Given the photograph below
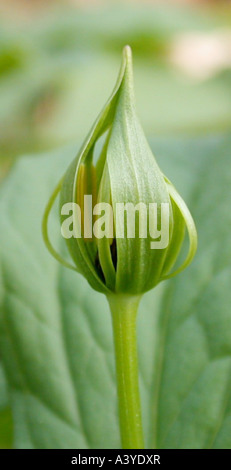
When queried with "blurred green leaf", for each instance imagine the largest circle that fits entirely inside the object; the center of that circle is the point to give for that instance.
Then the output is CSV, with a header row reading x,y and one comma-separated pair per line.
x,y
6,428
56,339
4,401
6,422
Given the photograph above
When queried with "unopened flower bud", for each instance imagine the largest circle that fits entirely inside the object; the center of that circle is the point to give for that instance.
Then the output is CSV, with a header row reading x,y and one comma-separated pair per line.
x,y
128,219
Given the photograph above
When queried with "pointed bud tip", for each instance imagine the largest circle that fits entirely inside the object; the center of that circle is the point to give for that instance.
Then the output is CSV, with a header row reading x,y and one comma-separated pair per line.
x,y
127,52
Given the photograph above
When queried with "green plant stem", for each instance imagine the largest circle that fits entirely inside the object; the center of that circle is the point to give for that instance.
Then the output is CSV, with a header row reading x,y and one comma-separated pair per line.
x,y
124,313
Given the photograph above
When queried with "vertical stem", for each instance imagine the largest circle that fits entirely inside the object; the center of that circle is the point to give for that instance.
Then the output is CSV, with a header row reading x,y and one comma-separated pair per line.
x,y
124,313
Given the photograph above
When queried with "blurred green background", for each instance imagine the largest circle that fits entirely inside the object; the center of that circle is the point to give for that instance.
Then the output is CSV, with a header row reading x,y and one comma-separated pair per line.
x,y
59,61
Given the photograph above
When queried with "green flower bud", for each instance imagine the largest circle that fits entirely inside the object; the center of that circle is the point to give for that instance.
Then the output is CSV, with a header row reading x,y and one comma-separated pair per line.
x,y
126,172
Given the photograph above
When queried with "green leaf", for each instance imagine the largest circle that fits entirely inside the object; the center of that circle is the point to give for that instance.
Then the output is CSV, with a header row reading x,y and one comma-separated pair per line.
x,y
6,424
55,331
